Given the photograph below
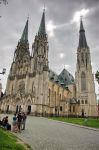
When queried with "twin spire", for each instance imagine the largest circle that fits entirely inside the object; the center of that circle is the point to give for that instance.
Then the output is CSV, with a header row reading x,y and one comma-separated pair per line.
x,y
24,37
41,31
82,37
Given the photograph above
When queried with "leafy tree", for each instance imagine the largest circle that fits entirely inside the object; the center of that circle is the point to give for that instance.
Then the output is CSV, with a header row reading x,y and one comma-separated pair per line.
x,y
97,76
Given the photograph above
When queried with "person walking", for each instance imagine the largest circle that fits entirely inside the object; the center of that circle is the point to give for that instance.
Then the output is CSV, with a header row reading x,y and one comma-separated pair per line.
x,y
19,121
23,120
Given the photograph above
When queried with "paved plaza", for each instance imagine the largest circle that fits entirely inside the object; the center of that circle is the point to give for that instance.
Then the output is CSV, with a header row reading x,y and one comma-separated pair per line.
x,y
45,134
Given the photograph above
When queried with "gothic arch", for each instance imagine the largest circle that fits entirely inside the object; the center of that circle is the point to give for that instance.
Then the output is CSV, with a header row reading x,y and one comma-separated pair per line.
x,y
83,81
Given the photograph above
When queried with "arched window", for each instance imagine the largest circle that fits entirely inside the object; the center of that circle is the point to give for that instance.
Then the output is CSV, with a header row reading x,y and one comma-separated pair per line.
x,y
86,102
55,98
12,89
33,87
83,81
49,95
82,101
82,57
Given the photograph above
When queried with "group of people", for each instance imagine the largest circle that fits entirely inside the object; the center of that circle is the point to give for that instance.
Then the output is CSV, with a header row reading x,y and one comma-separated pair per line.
x,y
18,123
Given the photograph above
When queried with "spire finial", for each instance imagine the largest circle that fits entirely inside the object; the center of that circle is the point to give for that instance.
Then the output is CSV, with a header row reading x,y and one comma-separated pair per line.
x,y
44,6
81,17
28,17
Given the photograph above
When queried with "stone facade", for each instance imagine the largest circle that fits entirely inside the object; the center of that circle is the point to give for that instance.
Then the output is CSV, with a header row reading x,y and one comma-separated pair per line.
x,y
33,88
85,88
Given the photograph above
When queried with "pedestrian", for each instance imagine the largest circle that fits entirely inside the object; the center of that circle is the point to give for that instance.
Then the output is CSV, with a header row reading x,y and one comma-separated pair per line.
x,y
23,120
14,123
19,121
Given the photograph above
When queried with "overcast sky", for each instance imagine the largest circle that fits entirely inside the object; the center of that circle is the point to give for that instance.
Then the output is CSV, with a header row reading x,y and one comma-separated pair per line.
x,y
62,24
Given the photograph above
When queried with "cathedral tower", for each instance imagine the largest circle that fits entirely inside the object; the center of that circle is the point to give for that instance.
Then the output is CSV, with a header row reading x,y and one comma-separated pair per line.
x,y
20,66
39,65
85,88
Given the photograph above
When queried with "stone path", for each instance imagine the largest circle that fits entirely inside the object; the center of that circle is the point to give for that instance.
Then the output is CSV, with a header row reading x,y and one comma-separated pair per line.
x,y
44,134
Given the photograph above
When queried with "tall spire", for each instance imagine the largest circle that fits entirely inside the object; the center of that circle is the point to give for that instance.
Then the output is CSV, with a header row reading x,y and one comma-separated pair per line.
x,y
24,37
42,29
82,37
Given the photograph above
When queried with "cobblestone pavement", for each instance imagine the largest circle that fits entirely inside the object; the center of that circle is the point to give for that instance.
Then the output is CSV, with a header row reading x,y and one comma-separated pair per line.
x,y
45,134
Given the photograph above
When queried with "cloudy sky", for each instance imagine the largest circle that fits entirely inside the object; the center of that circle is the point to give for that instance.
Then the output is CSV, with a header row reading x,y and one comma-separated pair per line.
x,y
62,24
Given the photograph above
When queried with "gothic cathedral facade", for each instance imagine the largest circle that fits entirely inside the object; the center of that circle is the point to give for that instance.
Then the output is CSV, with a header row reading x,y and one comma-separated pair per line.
x,y
34,88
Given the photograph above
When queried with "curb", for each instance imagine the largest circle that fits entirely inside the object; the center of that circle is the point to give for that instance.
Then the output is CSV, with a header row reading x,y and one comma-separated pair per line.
x,y
76,125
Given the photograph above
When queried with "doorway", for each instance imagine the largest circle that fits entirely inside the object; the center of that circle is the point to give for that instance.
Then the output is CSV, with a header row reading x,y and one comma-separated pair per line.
x,y
29,109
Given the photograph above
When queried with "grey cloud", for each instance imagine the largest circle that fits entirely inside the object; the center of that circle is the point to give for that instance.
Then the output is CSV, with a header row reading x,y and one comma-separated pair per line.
x,y
66,37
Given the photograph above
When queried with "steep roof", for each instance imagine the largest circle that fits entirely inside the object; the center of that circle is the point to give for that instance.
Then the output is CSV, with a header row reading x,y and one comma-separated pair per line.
x,y
42,29
66,77
82,37
24,37
63,79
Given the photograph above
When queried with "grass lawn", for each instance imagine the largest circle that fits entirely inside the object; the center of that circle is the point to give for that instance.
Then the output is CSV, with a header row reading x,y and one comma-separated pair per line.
x,y
81,121
10,142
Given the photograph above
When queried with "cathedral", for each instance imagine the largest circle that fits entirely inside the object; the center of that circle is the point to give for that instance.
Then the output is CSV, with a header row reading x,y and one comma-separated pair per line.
x,y
34,88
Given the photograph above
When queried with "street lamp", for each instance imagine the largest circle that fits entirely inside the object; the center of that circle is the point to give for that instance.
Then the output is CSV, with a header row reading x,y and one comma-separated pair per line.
x,y
3,71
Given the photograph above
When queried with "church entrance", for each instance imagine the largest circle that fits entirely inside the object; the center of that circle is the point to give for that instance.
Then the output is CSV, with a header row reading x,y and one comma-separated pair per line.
x,y
18,109
7,109
29,109
82,113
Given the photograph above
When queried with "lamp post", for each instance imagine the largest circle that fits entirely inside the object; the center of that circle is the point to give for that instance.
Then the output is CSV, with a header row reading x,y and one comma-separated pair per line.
x,y
3,71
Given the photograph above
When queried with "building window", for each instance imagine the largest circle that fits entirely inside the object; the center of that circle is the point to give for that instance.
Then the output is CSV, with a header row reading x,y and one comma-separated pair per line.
x,y
73,108
86,102
60,108
83,81
49,95
78,101
82,101
70,108
55,96
60,96
82,57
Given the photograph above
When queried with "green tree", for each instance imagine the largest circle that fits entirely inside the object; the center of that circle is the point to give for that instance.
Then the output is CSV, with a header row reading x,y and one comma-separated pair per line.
x,y
97,76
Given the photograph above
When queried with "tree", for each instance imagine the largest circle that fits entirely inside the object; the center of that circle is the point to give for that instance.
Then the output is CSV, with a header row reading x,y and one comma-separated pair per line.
x,y
97,76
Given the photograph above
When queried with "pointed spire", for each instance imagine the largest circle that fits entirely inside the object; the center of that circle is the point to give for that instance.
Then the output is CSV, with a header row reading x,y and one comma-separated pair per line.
x,y
42,29
82,37
24,37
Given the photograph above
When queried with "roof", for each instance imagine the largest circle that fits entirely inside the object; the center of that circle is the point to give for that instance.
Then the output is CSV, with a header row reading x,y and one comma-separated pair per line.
x,y
74,101
82,37
24,37
42,29
63,79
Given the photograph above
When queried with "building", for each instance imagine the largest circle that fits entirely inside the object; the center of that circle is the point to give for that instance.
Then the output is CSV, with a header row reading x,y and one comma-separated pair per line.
x,y
0,90
84,79
34,88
